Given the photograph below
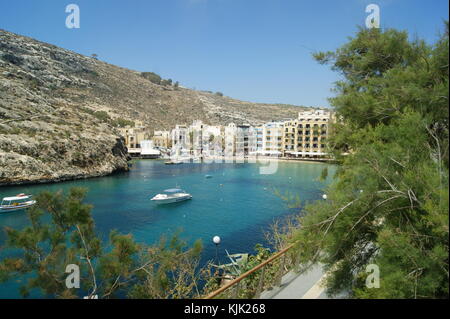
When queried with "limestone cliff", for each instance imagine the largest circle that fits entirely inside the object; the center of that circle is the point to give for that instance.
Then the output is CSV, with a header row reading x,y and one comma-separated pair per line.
x,y
48,100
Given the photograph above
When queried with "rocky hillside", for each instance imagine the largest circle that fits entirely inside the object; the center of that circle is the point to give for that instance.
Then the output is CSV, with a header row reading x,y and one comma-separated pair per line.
x,y
48,96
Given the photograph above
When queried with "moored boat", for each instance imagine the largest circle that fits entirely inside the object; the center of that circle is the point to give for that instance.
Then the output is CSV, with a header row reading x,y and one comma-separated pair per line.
x,y
173,195
14,203
173,162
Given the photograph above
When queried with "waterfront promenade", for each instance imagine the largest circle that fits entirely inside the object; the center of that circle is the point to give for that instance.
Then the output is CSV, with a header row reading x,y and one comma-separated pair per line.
x,y
305,285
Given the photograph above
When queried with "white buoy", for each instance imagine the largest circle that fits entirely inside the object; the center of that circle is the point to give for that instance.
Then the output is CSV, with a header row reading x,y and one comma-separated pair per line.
x,y
324,196
216,240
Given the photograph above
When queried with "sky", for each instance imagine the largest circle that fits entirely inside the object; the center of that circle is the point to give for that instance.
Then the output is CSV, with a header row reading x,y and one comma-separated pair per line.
x,y
252,50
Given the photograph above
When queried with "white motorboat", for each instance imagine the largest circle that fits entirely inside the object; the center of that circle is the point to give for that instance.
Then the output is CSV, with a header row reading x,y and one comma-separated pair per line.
x,y
173,195
18,202
173,162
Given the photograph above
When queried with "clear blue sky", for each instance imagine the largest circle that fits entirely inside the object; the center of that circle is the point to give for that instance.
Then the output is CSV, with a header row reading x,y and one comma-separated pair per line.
x,y
254,50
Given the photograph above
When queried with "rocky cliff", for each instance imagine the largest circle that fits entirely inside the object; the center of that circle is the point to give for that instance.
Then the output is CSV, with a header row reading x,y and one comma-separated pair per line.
x,y
48,100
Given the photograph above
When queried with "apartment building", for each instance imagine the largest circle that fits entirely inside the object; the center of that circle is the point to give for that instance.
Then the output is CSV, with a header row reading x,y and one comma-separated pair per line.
x,y
245,140
180,138
259,132
133,137
230,139
272,138
162,139
195,139
306,136
212,140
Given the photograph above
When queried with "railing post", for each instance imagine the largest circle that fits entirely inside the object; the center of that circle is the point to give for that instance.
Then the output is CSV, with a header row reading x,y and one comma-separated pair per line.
x,y
281,271
260,284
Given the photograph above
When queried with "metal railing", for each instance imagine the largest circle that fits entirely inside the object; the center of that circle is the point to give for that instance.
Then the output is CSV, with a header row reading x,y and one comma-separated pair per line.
x,y
262,266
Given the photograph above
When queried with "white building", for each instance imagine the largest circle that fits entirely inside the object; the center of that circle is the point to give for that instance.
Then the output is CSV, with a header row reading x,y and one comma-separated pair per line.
x,y
272,139
259,131
148,150
180,139
212,140
230,139
245,140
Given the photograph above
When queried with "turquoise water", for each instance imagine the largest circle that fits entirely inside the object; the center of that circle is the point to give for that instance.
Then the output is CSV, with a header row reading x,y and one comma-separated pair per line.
x,y
237,203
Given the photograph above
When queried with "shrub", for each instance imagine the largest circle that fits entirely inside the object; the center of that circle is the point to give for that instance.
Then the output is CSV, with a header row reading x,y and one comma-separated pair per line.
x,y
152,77
16,60
120,122
102,116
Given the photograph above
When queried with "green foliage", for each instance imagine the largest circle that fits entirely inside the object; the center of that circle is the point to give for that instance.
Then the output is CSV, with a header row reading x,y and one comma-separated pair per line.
x,y
156,78
62,232
166,82
389,203
47,247
152,77
120,122
219,94
13,59
102,116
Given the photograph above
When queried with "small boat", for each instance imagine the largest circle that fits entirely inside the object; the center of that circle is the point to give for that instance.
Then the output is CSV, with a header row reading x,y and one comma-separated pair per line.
x,y
173,195
173,162
238,265
208,176
18,202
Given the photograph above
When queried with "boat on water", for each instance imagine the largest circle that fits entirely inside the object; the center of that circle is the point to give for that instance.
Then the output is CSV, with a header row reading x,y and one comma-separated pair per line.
x,y
173,162
208,176
14,203
173,195
232,270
